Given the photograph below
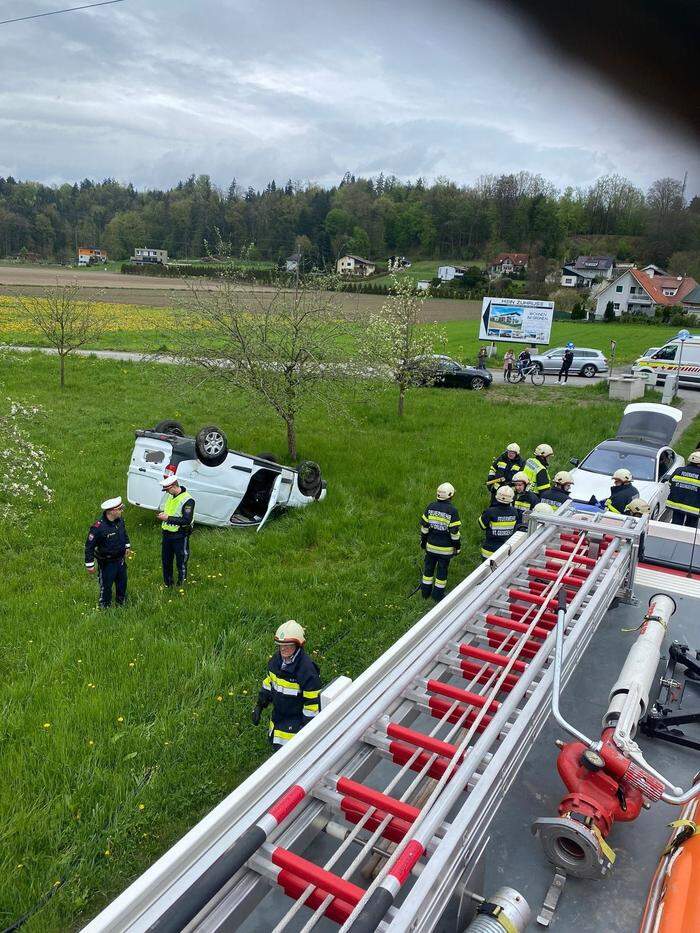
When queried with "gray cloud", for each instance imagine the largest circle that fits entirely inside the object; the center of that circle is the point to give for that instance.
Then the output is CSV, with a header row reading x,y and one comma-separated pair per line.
x,y
151,91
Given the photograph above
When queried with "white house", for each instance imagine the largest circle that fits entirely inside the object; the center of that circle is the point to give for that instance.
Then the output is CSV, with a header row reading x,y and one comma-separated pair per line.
x,y
636,292
355,265
583,272
144,254
447,273
291,263
507,264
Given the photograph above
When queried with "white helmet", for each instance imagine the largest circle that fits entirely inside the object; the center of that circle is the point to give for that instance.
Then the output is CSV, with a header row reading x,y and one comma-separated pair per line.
x,y
542,508
521,477
637,507
623,475
563,478
695,457
290,631
445,491
543,450
514,448
505,495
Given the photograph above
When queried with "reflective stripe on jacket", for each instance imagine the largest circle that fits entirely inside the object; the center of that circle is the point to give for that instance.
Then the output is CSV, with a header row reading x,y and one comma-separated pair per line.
x,y
294,692
440,528
620,497
538,474
498,521
685,489
503,470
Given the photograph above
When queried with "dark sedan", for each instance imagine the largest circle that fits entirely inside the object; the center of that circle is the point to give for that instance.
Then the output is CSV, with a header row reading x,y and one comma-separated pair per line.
x,y
445,373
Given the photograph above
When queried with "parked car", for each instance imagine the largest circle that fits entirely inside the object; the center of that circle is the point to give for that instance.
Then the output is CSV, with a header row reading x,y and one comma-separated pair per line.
x,y
587,362
674,358
642,446
446,373
230,488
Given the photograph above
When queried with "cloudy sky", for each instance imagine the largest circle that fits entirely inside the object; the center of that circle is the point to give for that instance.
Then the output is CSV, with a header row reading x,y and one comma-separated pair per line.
x,y
151,91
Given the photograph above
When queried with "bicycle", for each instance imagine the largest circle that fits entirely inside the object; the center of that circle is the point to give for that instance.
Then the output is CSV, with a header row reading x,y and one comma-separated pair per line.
x,y
520,375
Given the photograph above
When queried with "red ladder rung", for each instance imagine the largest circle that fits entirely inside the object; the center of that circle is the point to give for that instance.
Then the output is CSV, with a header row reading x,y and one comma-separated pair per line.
x,y
354,810
439,707
539,573
293,886
528,650
471,670
491,657
420,739
319,877
518,612
464,696
539,631
402,753
563,556
376,799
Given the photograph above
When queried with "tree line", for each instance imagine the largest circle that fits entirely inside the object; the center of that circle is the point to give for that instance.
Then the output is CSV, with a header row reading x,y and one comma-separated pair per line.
x,y
374,217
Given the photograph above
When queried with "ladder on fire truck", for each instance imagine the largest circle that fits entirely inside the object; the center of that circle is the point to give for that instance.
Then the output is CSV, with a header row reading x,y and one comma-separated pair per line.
x,y
379,810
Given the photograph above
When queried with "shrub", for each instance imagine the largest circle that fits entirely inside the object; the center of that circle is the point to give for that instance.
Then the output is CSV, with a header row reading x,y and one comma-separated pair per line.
x,y
609,313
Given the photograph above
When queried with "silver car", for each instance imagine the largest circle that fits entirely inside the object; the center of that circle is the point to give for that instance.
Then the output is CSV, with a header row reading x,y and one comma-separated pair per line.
x,y
587,362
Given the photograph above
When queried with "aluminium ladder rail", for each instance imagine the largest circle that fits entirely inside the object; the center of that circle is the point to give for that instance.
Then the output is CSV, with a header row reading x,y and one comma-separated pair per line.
x,y
409,767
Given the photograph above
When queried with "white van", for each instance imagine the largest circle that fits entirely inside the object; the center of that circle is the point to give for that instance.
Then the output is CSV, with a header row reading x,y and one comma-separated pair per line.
x,y
664,361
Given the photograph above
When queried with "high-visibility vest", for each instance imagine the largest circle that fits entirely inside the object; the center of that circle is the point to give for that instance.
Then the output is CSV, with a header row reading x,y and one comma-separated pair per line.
x,y
173,506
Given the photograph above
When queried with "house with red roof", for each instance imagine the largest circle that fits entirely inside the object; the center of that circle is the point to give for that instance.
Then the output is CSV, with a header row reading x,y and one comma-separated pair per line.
x,y
636,292
507,264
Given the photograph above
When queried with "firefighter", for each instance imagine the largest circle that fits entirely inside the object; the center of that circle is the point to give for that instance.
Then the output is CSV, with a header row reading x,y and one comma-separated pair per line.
x,y
525,499
106,550
177,520
559,493
622,492
498,521
440,539
684,497
537,470
292,685
504,468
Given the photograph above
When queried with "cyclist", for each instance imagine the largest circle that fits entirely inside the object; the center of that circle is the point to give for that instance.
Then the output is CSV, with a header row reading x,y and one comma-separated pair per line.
x,y
524,361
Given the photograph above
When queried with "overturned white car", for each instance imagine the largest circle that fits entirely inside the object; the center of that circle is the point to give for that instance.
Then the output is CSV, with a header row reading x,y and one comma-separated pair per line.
x,y
230,488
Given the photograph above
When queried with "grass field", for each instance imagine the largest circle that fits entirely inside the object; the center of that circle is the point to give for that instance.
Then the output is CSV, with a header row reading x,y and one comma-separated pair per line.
x,y
120,729
146,329
427,269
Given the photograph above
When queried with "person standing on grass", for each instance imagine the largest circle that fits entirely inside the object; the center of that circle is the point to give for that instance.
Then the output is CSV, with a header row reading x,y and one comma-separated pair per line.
x,y
503,469
106,550
499,521
177,520
292,685
508,361
440,538
566,362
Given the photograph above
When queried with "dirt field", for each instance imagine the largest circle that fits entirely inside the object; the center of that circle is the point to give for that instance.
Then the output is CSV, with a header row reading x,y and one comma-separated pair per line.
x,y
154,291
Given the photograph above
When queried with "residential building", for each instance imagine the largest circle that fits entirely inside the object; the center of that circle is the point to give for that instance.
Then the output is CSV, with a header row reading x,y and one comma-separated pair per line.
x,y
691,302
89,255
397,263
447,273
652,270
636,292
507,264
585,270
355,265
146,254
291,263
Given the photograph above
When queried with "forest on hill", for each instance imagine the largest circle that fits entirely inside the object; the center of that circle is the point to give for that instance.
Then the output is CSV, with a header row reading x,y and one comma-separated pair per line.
x,y
373,217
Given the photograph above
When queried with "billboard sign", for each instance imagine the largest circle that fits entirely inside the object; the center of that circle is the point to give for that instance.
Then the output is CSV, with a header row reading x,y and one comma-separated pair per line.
x,y
516,320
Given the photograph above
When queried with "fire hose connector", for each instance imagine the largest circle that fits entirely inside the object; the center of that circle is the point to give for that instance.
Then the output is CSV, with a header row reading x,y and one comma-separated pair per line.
x,y
506,911
575,845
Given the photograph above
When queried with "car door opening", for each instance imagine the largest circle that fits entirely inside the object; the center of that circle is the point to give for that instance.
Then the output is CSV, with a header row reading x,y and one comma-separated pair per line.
x,y
256,501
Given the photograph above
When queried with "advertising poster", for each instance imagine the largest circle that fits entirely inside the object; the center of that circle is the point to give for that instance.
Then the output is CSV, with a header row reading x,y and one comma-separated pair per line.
x,y
516,320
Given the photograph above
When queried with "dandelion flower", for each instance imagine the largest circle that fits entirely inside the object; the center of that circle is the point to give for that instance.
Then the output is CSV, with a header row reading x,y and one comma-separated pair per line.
x,y
107,853
120,719
219,698
142,806
90,742
47,725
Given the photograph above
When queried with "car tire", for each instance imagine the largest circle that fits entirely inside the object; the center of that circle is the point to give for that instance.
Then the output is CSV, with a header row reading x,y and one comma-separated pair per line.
x,y
265,456
539,367
170,427
309,478
211,445
589,371
477,384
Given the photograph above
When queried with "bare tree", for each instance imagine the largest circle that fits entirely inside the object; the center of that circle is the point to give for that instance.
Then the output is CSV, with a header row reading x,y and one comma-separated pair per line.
x,y
283,348
395,343
66,320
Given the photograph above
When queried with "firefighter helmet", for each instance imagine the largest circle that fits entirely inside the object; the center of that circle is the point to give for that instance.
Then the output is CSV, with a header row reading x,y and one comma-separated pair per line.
x,y
445,491
290,631
623,475
514,448
563,478
543,450
521,477
505,495
695,458
637,507
542,508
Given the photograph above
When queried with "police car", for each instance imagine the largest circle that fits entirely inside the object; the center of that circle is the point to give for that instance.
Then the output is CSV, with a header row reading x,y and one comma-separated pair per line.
x,y
641,446
230,488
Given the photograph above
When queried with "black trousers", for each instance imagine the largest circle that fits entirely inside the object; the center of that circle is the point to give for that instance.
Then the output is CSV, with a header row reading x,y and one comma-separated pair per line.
x,y
175,548
684,518
434,579
564,371
112,573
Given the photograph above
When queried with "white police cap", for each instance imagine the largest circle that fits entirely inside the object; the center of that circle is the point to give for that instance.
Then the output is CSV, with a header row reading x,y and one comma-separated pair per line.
x,y
169,480
111,503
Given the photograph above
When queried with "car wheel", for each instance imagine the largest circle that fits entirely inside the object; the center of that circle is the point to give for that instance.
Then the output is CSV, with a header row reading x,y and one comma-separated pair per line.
x,y
170,427
270,457
477,384
589,370
211,445
539,367
309,478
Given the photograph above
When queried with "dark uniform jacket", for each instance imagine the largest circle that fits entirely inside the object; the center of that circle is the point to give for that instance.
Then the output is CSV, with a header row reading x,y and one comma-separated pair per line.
x,y
538,474
440,529
567,359
295,693
503,470
685,489
620,497
106,540
526,500
554,497
499,522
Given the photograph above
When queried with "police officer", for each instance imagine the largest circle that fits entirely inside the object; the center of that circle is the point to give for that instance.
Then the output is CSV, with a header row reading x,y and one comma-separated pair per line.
x,y
292,685
106,550
684,497
525,499
622,492
440,538
504,468
537,470
566,361
499,521
559,493
177,519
